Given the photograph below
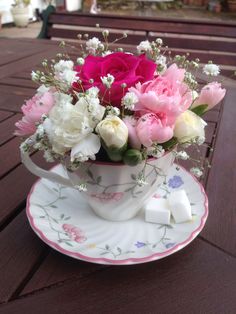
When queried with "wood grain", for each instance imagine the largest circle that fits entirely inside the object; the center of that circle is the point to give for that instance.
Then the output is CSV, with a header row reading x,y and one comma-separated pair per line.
x,y
20,250
198,279
14,188
221,185
4,115
7,128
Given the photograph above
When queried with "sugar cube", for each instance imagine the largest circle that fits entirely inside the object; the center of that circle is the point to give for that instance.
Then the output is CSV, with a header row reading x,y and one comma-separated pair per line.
x,y
157,211
180,206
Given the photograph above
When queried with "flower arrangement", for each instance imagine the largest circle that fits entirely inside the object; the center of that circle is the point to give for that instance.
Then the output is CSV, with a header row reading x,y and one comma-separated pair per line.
x,y
21,3
117,106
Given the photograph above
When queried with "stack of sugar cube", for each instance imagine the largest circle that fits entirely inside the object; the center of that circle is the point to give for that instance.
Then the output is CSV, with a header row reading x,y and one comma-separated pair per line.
x,y
160,210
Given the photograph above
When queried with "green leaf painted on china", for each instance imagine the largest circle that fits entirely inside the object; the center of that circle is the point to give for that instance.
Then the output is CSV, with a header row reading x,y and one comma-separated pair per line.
x,y
89,173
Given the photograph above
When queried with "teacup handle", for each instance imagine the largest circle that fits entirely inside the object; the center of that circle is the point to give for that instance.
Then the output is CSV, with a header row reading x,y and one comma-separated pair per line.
x,y
36,170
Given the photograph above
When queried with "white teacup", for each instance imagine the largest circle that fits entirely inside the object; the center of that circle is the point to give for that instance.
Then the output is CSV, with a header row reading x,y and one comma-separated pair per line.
x,y
115,191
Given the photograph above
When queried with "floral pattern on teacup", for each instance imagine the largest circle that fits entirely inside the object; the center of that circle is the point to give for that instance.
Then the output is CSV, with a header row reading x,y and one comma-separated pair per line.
x,y
74,233
107,197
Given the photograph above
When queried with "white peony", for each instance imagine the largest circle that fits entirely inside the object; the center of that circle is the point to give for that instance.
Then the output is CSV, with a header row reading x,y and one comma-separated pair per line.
x,y
189,127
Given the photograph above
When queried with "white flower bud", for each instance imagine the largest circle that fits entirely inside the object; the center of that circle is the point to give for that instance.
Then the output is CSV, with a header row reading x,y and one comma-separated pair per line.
x,y
113,131
188,127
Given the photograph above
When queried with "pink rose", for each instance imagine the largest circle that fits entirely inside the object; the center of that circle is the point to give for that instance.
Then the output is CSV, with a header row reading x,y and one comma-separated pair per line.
x,y
167,96
74,233
148,129
210,95
126,68
33,110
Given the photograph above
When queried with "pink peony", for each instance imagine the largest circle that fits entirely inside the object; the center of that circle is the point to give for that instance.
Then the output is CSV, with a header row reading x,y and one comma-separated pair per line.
x,y
74,233
150,128
166,96
33,111
126,68
210,95
147,130
131,124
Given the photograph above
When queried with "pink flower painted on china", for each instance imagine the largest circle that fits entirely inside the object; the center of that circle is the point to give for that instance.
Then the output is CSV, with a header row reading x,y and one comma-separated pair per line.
x,y
167,96
33,110
126,68
74,233
106,197
211,94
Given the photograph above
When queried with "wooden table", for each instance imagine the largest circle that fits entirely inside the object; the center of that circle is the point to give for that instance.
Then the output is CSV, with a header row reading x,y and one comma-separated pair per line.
x,y
201,278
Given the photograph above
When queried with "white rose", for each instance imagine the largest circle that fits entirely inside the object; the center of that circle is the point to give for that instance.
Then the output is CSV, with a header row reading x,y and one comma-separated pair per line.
x,y
113,131
189,126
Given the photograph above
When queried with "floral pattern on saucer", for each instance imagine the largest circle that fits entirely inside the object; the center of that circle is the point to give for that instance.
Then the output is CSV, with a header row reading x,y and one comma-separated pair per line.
x,y
64,221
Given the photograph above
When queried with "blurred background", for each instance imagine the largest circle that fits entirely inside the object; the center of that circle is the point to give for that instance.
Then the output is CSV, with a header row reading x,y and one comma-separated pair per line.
x,y
32,11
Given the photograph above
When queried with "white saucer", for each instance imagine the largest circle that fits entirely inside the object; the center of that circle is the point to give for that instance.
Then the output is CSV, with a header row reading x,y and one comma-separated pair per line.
x,y
62,219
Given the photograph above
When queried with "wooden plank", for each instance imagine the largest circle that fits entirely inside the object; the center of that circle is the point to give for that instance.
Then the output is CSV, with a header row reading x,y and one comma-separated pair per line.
x,y
164,25
133,39
19,91
14,188
11,81
211,116
210,131
20,252
196,43
31,61
11,102
65,269
7,128
4,115
9,156
170,285
221,185
17,49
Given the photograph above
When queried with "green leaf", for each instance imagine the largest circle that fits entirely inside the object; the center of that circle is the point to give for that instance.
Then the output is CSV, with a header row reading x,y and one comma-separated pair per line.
x,y
69,244
104,253
67,218
199,110
133,176
91,182
62,216
54,189
99,179
89,173
170,144
128,190
132,157
114,153
41,216
63,197
53,206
